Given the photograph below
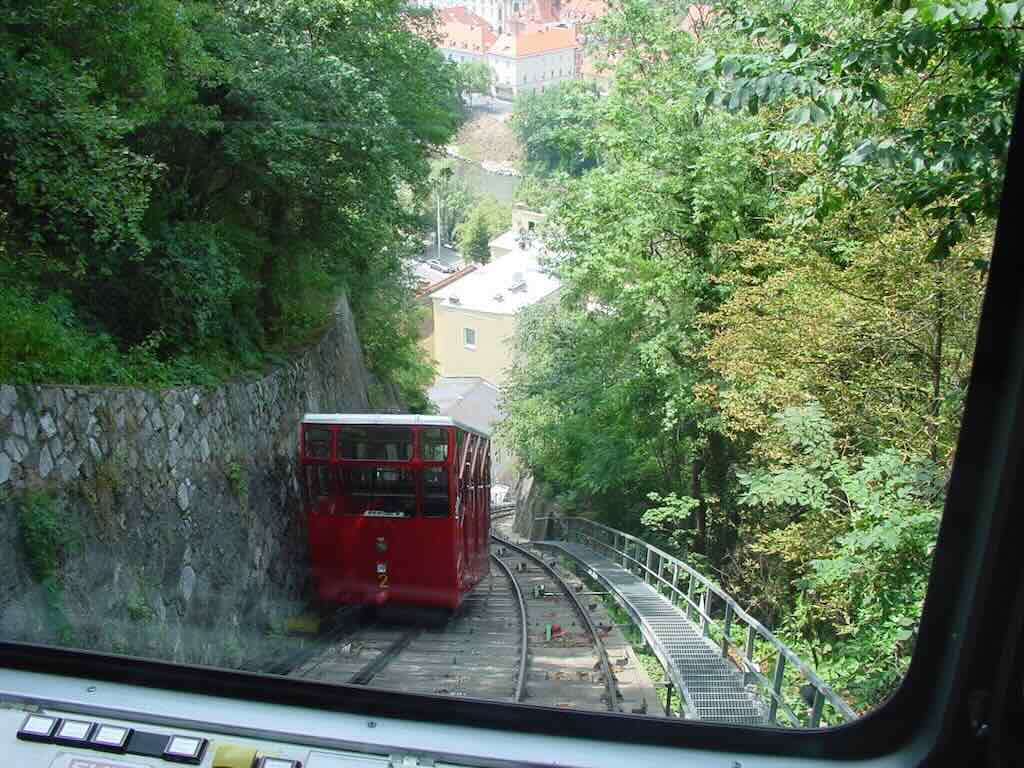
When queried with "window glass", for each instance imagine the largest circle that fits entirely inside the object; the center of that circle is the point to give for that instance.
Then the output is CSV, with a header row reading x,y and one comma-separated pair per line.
x,y
318,442
740,337
382,491
376,442
434,444
435,492
319,482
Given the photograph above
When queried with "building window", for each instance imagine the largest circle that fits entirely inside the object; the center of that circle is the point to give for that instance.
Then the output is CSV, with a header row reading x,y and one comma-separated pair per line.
x,y
469,338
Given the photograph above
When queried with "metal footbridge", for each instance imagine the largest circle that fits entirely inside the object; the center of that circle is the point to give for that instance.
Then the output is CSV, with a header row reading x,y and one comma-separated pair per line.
x,y
714,653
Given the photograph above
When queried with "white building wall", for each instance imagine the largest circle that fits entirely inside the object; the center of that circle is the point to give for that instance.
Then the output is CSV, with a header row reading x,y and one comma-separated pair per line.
x,y
533,73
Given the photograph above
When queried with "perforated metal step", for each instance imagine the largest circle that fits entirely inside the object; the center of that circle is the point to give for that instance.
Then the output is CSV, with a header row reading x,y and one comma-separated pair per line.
x,y
714,687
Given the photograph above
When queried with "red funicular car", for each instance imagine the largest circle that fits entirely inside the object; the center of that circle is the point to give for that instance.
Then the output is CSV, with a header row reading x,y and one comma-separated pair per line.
x,y
398,507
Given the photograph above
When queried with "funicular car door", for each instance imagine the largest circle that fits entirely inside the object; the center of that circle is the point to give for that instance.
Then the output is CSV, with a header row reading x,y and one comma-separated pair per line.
x,y
472,529
460,508
485,508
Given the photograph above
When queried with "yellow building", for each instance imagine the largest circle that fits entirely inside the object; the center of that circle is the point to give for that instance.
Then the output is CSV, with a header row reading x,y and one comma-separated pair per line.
x,y
474,316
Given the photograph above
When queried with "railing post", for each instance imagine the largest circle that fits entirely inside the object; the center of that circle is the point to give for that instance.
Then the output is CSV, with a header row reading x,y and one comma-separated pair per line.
x,y
726,628
819,701
705,609
749,652
773,706
650,565
689,598
675,583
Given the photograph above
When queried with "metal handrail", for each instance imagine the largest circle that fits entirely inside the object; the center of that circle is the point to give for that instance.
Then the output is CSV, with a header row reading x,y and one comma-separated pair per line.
x,y
651,562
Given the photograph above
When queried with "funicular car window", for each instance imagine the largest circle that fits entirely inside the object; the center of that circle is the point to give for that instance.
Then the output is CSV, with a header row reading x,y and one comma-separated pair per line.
x,y
435,492
384,443
380,489
434,444
318,442
319,483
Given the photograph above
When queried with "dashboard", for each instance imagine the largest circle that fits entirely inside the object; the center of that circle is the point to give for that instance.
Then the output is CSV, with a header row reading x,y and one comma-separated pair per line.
x,y
53,721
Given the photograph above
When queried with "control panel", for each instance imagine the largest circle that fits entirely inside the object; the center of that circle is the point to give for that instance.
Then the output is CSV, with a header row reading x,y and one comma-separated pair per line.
x,y
48,738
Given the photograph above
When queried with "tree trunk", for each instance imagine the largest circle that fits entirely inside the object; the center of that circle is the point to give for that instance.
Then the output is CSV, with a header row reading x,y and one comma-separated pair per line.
x,y
720,462
271,307
936,404
696,469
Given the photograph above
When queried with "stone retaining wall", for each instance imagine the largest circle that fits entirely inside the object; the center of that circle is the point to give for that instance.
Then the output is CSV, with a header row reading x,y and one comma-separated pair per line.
x,y
533,501
163,523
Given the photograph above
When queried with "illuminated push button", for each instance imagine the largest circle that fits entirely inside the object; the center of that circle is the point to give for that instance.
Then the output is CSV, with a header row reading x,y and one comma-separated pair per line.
x,y
38,728
185,749
277,762
234,756
111,738
73,732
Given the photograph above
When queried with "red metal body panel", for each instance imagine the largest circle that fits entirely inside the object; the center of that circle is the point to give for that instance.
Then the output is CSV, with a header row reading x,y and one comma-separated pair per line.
x,y
364,551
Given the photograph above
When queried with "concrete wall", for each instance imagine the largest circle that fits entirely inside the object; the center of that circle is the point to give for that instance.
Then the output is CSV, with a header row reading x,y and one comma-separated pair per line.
x,y
171,518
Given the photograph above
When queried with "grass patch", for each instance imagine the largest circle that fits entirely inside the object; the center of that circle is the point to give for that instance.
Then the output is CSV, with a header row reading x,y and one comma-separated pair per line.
x,y
44,341
47,535
43,532
239,480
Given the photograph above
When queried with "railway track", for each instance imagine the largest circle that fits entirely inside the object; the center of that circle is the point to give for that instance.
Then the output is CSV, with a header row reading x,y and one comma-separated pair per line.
x,y
564,671
522,635
478,653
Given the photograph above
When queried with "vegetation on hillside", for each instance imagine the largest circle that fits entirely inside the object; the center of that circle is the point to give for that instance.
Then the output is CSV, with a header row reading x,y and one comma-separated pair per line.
x,y
773,237
186,187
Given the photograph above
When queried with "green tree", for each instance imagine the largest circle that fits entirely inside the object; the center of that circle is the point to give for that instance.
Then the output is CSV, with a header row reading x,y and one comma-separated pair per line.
x,y
197,182
855,536
557,127
475,77
771,278
485,221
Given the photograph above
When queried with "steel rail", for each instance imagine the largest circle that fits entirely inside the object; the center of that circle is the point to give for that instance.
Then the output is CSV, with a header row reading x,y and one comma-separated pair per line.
x,y
524,638
372,668
609,678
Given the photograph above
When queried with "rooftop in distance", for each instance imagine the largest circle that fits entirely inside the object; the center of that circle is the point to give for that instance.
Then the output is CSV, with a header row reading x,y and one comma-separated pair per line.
x,y
505,285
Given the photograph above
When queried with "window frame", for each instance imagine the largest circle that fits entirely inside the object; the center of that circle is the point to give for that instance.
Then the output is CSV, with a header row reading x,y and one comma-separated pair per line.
x,y
466,343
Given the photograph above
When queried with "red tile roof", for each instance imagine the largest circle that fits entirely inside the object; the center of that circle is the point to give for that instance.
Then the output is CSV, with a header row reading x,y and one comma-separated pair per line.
x,y
532,43
446,281
462,30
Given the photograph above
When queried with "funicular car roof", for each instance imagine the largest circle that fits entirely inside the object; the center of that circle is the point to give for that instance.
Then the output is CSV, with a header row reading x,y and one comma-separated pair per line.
x,y
390,419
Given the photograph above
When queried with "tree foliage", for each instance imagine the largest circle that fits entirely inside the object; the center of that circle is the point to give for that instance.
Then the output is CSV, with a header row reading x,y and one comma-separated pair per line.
x,y
555,126
771,278
205,177
485,221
